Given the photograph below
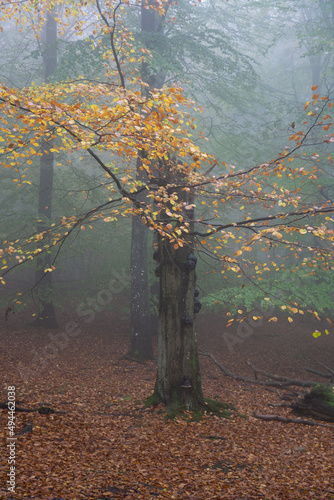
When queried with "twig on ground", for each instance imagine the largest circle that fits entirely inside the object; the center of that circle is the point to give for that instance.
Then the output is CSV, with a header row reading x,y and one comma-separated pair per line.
x,y
287,420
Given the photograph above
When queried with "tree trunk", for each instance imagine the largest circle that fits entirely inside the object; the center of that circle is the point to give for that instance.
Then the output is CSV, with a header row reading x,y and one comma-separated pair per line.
x,y
141,325
178,383
141,339
47,314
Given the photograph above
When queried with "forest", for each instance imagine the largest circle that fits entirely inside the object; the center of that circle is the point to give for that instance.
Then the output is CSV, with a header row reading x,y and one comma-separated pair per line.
x,y
166,249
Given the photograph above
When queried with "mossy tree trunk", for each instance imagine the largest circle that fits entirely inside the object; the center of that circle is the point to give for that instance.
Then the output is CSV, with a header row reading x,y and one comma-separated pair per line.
x,y
178,383
178,363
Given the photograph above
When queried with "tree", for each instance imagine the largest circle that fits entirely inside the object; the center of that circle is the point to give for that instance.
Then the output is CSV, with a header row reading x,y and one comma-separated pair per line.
x,y
141,327
47,314
178,35
109,124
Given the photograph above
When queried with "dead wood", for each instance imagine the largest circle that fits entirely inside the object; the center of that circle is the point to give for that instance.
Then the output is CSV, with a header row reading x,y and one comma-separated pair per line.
x,y
276,381
330,370
312,403
281,378
317,402
43,410
287,420
321,374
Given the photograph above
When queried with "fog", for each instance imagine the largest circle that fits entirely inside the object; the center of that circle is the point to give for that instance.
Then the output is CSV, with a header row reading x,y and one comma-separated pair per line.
x,y
249,66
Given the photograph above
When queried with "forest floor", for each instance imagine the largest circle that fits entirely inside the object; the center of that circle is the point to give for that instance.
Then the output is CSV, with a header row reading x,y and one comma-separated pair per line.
x,y
104,444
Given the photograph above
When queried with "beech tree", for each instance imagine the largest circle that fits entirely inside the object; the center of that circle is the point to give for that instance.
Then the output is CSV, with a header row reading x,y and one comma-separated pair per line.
x,y
111,121
141,328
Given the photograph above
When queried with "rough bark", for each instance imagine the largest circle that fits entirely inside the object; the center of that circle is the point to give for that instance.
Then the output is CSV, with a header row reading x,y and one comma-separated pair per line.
x,y
178,382
178,362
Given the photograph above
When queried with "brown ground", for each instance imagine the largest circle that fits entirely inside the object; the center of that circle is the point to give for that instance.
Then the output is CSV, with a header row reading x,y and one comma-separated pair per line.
x,y
108,446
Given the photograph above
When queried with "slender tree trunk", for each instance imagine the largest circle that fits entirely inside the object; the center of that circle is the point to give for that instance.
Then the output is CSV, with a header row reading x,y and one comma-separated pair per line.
x,y
141,325
141,340
47,315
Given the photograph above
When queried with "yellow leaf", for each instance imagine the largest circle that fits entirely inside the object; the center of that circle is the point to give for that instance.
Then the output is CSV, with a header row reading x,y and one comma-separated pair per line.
x,y
316,334
274,319
237,253
290,320
326,332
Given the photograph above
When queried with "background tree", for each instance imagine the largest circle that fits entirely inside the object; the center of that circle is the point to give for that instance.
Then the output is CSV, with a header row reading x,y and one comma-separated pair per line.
x,y
47,313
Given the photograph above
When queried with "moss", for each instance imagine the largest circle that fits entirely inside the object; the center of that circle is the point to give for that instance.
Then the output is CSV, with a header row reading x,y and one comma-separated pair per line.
x,y
211,406
152,400
218,408
323,392
174,407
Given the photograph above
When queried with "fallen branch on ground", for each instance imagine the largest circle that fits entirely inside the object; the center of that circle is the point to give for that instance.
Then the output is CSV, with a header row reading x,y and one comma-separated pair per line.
x,y
275,381
43,410
291,420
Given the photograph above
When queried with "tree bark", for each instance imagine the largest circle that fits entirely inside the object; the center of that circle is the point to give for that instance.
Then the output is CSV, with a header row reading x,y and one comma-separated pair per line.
x,y
47,313
141,335
141,324
178,362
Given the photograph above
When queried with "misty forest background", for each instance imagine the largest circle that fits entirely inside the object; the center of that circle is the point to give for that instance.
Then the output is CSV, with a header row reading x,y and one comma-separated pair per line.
x,y
251,66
